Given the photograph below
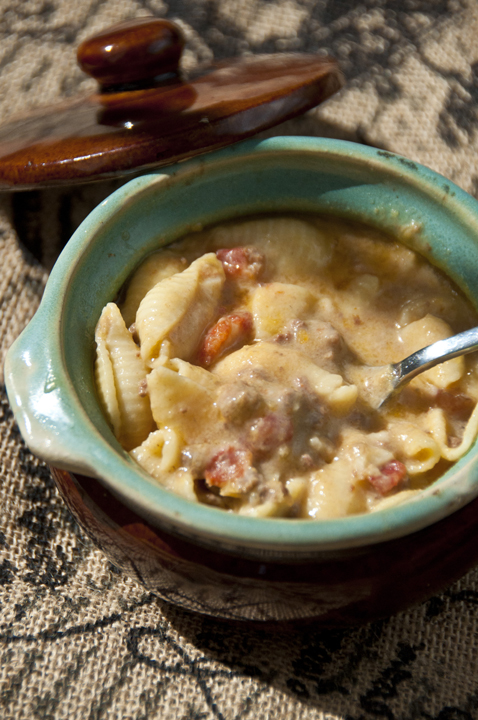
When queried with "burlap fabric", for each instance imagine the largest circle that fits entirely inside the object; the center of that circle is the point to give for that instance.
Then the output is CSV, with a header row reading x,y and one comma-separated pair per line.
x,y
80,640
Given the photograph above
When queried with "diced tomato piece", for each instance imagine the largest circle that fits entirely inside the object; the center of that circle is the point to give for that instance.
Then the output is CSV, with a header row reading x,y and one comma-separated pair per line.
x,y
229,331
242,262
227,466
391,475
268,432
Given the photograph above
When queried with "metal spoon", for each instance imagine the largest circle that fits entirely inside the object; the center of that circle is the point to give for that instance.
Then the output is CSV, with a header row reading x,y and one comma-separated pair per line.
x,y
379,384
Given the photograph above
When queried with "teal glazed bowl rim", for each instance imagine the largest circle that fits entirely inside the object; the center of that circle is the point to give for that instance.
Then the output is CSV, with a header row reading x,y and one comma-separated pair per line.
x,y
49,369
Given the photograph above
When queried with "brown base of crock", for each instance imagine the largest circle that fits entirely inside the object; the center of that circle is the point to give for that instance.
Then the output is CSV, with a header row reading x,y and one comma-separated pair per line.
x,y
338,588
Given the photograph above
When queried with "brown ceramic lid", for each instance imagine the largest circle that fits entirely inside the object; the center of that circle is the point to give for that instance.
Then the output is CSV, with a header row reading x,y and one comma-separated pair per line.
x,y
144,115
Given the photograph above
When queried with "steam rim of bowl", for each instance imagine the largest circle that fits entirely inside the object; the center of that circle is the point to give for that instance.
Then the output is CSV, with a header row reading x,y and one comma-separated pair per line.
x,y
53,410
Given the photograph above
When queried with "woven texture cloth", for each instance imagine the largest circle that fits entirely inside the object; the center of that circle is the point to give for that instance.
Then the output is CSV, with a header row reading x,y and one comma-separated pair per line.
x,y
80,640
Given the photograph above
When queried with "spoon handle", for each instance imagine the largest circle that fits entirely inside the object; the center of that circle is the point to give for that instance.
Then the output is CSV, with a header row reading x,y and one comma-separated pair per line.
x,y
434,354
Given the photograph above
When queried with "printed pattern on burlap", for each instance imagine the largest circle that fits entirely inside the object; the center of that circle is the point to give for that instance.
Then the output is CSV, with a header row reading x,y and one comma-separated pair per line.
x,y
80,640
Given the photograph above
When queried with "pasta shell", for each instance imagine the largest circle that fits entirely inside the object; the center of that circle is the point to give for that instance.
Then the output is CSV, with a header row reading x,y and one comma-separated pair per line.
x,y
286,366
160,453
156,267
417,449
105,379
179,309
274,305
120,372
424,332
293,247
181,403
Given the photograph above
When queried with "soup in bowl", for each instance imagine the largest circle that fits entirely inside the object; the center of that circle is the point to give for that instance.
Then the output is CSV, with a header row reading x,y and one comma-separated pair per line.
x,y
238,368
267,515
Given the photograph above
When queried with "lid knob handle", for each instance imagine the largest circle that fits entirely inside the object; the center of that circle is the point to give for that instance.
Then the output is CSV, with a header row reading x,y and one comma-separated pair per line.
x,y
139,53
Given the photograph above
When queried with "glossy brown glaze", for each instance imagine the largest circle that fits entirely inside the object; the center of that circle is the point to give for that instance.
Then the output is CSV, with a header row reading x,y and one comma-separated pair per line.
x,y
113,133
141,51
337,588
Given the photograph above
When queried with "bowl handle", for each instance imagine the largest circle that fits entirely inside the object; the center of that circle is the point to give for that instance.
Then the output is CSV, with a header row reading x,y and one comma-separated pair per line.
x,y
52,425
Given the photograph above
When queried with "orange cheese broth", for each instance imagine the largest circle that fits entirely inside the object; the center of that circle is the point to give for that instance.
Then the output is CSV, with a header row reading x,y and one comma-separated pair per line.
x,y
274,420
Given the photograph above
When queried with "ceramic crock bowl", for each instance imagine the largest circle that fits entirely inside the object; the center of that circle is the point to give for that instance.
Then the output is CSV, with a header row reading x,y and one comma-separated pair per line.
x,y
339,571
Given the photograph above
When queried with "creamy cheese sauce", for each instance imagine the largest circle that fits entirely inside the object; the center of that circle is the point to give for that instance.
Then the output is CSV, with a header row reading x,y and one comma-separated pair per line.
x,y
235,368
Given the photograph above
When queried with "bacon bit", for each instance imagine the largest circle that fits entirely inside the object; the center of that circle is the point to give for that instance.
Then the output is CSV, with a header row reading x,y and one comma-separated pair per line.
x,y
227,466
306,462
242,262
229,331
391,474
268,432
283,338
143,388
